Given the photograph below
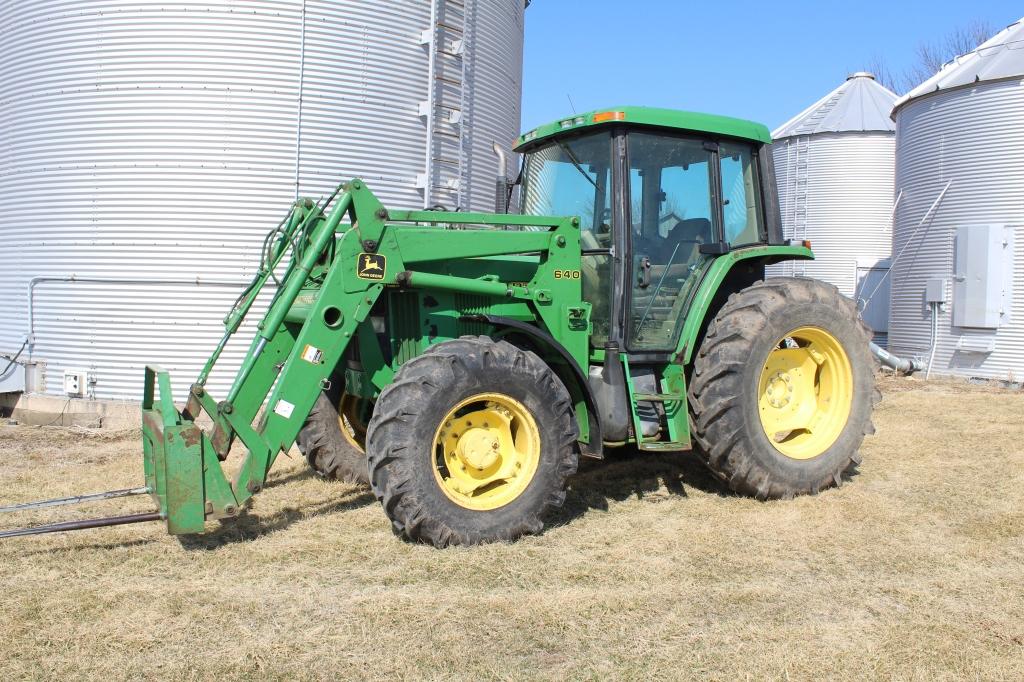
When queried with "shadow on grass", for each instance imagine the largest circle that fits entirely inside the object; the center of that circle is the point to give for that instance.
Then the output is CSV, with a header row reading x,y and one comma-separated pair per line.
x,y
299,475
627,473
250,526
104,546
624,474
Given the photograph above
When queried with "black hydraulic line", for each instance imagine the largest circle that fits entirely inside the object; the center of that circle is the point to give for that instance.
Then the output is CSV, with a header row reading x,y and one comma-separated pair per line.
x,y
109,495
3,373
79,525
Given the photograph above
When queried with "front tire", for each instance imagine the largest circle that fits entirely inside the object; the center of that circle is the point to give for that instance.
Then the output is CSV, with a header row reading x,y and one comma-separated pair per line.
x,y
471,443
782,389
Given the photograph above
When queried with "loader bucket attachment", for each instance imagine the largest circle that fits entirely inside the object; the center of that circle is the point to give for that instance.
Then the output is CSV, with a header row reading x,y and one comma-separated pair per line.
x,y
182,471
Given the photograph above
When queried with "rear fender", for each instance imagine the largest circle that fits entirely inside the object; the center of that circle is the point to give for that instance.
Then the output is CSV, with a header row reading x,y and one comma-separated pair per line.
x,y
726,275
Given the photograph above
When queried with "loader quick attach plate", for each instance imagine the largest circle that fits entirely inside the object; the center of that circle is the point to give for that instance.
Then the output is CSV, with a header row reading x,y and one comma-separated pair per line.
x,y
177,456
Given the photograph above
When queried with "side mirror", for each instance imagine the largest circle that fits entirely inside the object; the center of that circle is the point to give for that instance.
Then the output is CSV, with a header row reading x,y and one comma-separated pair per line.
x,y
714,248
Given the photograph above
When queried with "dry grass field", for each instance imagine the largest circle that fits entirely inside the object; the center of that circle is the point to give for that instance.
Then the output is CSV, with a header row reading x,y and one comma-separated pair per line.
x,y
912,571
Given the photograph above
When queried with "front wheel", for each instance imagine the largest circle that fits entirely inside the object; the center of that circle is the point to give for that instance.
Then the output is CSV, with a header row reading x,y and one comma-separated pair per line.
x,y
472,442
782,389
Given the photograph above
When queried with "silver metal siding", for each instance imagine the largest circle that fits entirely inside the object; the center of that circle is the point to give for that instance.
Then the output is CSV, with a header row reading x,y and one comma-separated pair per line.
x,y
494,101
365,76
849,197
157,140
972,139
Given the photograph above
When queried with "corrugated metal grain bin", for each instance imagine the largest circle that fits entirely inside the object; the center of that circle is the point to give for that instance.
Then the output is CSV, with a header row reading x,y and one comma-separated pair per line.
x,y
834,168
958,243
146,148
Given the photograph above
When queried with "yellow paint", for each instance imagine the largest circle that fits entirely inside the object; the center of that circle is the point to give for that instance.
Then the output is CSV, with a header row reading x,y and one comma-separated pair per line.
x,y
350,420
805,393
486,451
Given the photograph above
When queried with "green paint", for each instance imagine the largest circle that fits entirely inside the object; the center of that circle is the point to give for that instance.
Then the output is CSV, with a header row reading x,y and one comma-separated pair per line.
x,y
382,286
649,117
712,280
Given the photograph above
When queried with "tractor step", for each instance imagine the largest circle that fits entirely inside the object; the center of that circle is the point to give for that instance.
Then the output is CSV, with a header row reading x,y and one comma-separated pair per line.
x,y
657,397
663,446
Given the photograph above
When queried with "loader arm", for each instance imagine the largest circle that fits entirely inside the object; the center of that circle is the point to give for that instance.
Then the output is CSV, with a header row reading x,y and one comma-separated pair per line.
x,y
347,257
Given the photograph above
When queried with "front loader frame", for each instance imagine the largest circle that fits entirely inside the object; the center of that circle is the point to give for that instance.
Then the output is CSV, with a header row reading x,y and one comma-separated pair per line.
x,y
287,365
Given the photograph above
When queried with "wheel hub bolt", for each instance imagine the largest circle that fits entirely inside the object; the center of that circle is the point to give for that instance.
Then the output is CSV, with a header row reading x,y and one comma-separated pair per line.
x,y
780,390
478,448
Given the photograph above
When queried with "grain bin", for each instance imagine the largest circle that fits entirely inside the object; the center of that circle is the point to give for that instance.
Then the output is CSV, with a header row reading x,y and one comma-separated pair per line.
x,y
834,168
146,148
958,242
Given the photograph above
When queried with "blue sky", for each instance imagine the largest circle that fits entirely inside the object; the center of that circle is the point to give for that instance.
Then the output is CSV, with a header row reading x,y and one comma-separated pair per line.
x,y
760,60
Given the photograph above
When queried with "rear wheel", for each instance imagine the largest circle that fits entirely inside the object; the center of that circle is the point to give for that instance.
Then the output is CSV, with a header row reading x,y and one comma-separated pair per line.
x,y
471,443
782,389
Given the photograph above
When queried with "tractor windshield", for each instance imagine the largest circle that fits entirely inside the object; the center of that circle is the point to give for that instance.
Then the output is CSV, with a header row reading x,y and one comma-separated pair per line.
x,y
573,177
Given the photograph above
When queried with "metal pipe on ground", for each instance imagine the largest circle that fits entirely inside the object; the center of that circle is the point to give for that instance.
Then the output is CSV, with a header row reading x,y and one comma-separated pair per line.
x,y
896,363
77,499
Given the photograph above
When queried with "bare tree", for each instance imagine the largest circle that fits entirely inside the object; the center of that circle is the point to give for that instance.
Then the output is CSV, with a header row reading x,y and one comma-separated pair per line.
x,y
930,56
877,67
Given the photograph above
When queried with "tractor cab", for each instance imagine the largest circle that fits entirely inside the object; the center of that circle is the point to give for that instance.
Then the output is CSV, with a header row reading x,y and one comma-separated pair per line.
x,y
660,194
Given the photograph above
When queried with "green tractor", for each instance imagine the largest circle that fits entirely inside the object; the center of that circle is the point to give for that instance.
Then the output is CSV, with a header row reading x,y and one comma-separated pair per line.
x,y
461,363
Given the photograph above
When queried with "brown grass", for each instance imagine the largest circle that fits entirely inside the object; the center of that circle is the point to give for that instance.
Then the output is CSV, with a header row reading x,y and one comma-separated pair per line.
x,y
915,571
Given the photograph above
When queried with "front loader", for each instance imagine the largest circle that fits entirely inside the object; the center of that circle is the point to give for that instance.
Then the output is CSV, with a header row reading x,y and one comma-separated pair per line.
x,y
460,363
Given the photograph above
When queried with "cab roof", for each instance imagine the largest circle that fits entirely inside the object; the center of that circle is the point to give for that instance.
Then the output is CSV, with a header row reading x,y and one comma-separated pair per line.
x,y
647,116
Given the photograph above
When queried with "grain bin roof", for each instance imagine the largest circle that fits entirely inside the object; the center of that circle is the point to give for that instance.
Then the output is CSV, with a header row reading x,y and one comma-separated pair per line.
x,y
860,104
1000,57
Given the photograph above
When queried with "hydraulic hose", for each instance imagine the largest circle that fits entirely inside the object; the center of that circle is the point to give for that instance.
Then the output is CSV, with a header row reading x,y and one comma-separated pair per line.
x,y
3,373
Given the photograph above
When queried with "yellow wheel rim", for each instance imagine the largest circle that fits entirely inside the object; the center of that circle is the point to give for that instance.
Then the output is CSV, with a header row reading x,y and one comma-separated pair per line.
x,y
486,451
352,421
805,393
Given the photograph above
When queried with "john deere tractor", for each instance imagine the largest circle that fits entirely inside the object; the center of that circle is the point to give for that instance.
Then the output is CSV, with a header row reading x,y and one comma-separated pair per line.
x,y
461,363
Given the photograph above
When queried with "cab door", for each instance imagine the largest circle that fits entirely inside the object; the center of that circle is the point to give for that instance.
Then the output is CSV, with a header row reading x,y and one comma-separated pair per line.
x,y
673,211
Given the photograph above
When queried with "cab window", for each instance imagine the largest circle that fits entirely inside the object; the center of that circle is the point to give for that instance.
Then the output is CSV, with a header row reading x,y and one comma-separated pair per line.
x,y
574,177
741,200
671,215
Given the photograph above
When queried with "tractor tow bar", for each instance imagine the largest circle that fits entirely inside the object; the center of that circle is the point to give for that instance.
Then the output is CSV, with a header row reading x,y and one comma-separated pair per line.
x,y
85,523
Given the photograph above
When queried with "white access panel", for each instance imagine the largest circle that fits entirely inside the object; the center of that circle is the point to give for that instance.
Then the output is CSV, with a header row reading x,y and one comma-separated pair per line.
x,y
982,280
874,288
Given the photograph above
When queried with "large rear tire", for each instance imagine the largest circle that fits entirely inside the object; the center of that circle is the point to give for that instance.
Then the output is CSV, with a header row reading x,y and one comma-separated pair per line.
x,y
472,442
782,389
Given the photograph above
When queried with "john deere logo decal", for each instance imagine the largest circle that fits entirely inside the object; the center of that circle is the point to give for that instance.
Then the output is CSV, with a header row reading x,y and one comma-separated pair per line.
x,y
371,266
